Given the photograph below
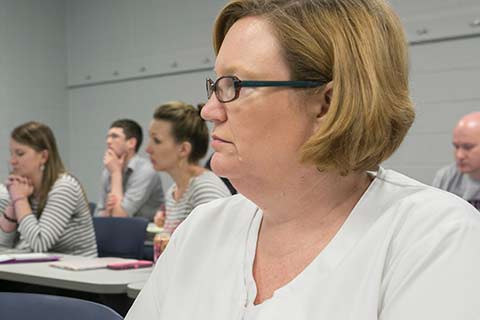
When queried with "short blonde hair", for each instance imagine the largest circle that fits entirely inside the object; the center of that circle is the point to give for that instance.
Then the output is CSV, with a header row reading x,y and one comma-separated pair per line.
x,y
359,45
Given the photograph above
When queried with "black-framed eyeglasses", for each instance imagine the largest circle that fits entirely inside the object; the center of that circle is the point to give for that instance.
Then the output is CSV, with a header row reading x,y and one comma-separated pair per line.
x,y
227,88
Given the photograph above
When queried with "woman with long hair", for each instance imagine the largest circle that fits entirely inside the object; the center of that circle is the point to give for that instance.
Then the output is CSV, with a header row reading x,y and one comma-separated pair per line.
x,y
42,207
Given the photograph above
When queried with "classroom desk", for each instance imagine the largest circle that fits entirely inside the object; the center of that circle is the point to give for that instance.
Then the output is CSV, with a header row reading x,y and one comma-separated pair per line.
x,y
101,281
133,289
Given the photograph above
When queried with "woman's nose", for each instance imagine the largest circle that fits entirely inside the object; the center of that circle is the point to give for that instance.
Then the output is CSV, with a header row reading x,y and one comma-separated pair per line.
x,y
214,110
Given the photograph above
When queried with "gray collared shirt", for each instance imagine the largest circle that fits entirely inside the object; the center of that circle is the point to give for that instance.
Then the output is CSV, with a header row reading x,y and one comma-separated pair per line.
x,y
142,189
449,178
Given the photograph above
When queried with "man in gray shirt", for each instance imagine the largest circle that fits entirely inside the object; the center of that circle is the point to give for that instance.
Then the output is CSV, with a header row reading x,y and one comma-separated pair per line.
x,y
463,177
130,185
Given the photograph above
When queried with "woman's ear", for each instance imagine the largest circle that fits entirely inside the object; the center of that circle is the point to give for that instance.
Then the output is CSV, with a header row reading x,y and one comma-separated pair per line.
x,y
185,149
44,155
321,102
325,99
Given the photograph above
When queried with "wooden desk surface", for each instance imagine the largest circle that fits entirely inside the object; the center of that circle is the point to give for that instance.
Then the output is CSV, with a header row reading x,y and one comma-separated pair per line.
x,y
104,281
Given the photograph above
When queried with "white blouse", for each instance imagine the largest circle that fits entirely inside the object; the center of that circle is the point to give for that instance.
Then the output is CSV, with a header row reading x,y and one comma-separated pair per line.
x,y
406,251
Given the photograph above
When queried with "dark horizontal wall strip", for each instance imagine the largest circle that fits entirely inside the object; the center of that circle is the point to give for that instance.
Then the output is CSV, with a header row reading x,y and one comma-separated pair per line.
x,y
167,74
452,38
150,76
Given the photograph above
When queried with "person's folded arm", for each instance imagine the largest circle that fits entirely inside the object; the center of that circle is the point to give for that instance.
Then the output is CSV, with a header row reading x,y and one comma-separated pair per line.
x,y
43,233
117,191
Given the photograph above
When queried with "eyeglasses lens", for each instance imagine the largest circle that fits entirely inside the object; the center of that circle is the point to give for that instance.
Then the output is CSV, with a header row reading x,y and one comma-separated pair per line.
x,y
225,89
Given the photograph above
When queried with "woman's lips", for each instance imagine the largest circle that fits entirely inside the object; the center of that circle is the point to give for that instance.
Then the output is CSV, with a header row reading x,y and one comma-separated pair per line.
x,y
216,138
218,142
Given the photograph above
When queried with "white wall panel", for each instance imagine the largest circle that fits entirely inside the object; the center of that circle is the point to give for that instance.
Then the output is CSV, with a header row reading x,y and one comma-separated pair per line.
x,y
33,69
126,57
445,86
428,115
114,40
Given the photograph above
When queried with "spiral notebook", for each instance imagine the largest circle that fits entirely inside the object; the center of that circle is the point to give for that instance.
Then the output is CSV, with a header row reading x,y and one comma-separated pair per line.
x,y
27,257
88,263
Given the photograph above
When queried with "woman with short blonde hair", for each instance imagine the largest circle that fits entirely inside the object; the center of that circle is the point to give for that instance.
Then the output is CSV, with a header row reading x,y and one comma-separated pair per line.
x,y
310,97
43,208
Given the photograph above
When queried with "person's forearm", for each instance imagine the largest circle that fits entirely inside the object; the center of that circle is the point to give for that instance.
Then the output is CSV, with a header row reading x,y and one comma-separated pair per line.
x,y
22,208
8,221
7,226
116,185
117,191
117,211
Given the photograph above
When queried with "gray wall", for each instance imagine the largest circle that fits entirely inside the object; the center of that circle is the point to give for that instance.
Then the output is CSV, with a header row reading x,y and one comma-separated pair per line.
x,y
444,79
445,85
33,69
126,57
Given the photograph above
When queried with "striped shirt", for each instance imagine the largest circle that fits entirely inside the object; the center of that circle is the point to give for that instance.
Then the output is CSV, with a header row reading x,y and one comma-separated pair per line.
x,y
202,189
64,226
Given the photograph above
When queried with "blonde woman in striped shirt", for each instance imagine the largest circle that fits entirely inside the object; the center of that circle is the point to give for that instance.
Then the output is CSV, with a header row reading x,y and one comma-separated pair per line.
x,y
42,207
178,140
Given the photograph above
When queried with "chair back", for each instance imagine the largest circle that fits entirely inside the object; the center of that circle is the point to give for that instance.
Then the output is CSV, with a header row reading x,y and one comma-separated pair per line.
x,y
92,206
28,306
120,237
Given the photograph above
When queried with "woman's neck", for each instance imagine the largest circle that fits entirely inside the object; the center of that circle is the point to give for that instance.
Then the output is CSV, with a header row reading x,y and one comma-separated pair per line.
x,y
314,208
182,175
305,196
37,182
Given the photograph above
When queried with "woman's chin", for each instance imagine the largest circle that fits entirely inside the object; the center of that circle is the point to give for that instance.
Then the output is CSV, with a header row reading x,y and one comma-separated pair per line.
x,y
18,172
223,166
157,166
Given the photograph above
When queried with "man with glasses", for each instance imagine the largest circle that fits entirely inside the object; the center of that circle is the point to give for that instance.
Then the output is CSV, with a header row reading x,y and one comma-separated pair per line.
x,y
130,185
463,177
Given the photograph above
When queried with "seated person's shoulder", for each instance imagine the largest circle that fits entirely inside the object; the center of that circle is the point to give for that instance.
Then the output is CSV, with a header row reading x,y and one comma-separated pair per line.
x,y
219,216
414,218
224,208
428,211
423,203
447,171
207,180
144,167
448,205
66,182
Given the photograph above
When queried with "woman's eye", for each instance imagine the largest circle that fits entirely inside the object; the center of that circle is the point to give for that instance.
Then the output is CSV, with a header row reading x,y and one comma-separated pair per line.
x,y
156,141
